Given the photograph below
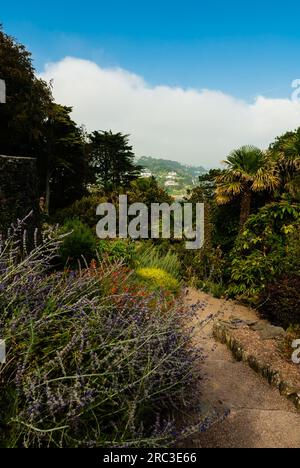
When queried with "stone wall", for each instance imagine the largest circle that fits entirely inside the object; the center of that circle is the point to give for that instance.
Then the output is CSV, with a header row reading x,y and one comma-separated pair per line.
x,y
18,192
258,345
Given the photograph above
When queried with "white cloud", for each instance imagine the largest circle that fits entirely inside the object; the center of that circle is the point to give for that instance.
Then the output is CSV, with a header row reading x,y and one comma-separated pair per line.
x,y
195,126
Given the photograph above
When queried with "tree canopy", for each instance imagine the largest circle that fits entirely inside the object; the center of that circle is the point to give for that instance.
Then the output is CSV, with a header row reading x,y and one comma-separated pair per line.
x,y
27,100
286,152
62,163
112,158
248,170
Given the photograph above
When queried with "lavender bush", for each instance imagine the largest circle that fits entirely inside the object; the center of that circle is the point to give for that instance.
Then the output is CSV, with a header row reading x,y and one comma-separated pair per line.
x,y
85,369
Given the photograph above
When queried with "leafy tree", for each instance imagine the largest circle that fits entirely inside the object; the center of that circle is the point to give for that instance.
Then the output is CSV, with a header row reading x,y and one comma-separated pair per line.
x,y
112,158
28,98
249,170
62,165
31,124
221,221
207,183
147,190
83,209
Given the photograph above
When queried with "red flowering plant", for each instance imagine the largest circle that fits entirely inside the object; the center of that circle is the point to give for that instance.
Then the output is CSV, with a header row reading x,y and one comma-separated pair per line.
x,y
122,283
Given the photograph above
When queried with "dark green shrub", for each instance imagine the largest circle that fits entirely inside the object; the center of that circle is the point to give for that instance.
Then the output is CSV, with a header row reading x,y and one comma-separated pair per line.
x,y
285,344
78,244
215,289
83,209
250,274
117,250
207,265
281,301
266,249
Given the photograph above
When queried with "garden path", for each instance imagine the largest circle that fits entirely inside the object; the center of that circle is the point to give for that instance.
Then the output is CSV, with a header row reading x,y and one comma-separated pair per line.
x,y
259,417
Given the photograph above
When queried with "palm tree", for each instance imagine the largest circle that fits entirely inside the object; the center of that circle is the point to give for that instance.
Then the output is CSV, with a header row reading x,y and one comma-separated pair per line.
x,y
248,170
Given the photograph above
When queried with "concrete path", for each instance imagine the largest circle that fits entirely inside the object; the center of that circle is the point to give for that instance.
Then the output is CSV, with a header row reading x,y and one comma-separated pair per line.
x,y
259,416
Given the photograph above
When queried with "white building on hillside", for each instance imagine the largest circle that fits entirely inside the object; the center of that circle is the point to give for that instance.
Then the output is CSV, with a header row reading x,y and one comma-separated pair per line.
x,y
147,174
171,183
171,175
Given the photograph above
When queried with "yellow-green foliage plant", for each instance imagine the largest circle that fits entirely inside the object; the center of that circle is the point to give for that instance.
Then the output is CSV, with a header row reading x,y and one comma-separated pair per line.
x,y
151,257
159,279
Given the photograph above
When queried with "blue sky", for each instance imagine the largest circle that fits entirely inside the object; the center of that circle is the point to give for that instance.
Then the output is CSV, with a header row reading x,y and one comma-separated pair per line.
x,y
188,80
241,48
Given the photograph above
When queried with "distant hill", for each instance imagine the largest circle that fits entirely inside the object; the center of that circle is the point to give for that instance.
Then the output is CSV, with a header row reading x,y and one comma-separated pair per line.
x,y
158,165
172,175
